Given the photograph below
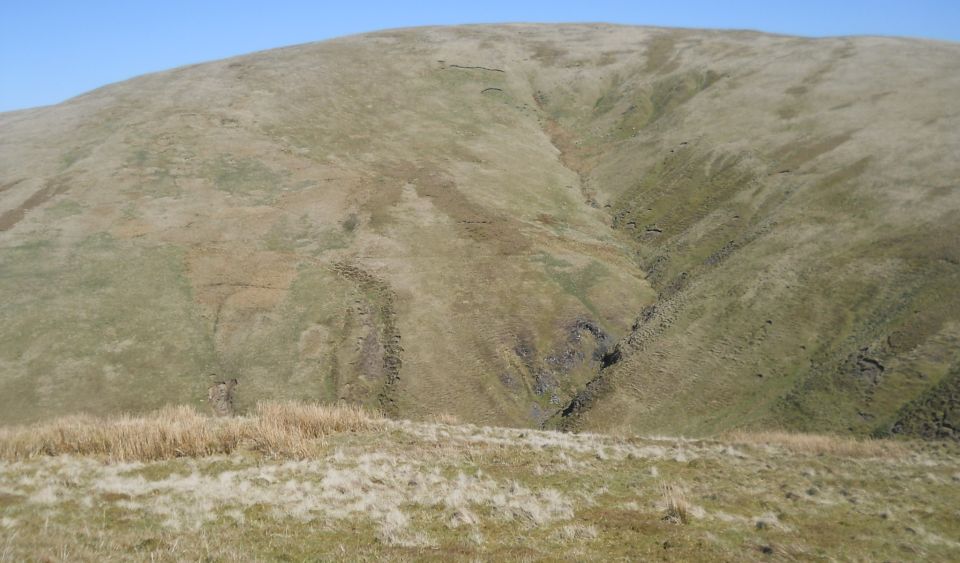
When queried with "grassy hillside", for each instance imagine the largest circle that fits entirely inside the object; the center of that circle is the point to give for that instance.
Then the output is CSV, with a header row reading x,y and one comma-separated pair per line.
x,y
577,226
798,216
301,482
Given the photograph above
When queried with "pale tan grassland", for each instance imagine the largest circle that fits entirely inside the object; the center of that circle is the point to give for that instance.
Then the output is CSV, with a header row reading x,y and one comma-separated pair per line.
x,y
307,482
821,444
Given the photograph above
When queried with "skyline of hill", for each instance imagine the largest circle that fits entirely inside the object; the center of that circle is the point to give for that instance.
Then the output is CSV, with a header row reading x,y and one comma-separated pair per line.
x,y
590,227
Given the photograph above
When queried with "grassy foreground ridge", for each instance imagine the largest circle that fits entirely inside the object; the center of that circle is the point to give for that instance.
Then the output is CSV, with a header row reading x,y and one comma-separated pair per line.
x,y
301,482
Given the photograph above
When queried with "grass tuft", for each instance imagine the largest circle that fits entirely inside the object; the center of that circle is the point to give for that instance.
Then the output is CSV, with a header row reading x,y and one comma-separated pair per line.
x,y
676,509
445,418
278,429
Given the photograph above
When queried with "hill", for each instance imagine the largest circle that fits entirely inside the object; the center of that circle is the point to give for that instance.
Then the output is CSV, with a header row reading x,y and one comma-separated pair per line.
x,y
571,226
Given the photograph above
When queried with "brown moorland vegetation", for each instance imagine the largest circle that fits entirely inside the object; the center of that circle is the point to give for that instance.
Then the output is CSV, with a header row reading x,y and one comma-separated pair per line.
x,y
278,429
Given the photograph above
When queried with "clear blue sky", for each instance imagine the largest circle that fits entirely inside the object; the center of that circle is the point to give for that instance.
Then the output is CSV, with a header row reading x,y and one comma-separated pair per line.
x,y
52,50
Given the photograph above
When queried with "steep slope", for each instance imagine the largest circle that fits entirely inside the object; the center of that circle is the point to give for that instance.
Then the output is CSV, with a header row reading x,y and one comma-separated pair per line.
x,y
795,205
585,226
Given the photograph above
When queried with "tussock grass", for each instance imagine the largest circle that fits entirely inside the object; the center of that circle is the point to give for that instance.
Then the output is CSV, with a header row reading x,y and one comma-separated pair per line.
x,y
676,508
280,429
576,532
445,418
820,444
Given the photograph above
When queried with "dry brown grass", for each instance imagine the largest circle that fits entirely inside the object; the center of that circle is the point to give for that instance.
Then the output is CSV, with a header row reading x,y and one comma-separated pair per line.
x,y
820,444
445,418
676,508
277,429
